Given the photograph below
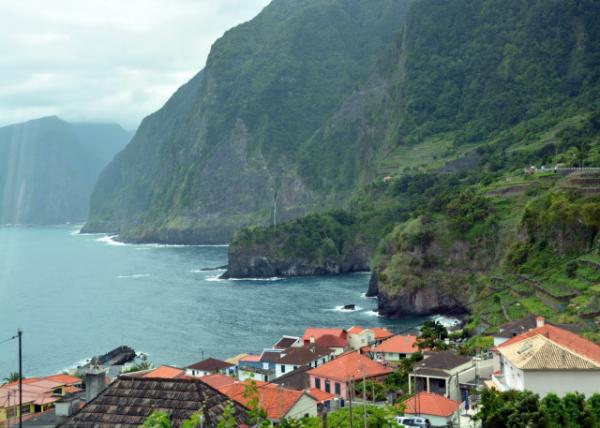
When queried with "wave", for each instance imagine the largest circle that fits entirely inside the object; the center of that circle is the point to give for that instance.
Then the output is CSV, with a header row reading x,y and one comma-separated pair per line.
x,y
447,322
215,278
110,240
341,309
134,276
364,296
372,313
207,270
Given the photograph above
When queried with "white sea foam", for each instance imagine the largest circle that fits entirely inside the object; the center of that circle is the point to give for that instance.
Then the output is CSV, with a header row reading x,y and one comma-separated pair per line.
x,y
110,240
341,309
364,296
134,276
372,313
212,278
447,322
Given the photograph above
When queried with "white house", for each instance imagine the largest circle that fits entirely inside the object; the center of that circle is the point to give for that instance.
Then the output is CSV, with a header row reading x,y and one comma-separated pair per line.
x,y
439,410
293,358
396,348
547,359
359,337
209,366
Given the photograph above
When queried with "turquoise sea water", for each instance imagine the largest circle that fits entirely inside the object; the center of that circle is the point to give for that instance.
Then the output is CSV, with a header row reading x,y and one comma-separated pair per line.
x,y
76,296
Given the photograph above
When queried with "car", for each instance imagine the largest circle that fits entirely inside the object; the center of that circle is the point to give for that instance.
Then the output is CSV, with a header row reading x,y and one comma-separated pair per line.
x,y
413,421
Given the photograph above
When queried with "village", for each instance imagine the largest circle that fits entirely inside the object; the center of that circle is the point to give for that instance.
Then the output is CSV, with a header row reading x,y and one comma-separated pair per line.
x,y
422,376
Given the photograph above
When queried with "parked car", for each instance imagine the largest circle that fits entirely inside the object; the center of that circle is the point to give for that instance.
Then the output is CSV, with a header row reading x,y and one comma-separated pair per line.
x,y
413,421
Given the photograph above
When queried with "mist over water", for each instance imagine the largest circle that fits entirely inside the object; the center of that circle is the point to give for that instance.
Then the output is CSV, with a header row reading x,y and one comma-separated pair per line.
x,y
80,295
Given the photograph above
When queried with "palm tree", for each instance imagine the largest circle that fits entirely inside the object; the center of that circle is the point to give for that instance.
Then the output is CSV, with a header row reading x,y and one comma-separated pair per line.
x,y
12,377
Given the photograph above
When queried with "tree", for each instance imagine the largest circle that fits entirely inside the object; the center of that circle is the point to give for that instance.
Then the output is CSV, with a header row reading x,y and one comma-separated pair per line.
x,y
432,336
143,364
161,419
554,410
12,377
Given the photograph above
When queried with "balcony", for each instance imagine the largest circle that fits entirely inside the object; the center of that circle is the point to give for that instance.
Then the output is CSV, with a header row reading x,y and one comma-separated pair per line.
x,y
500,382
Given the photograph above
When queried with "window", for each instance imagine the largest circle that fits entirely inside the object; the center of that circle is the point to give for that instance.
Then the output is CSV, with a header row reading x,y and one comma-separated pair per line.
x,y
327,386
318,383
338,389
282,368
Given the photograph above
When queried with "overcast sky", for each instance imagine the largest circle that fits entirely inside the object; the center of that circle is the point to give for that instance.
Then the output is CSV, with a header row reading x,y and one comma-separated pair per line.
x,y
105,60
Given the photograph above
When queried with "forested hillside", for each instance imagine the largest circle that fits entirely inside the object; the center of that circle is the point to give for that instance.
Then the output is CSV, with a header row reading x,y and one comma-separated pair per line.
x,y
221,153
48,168
434,147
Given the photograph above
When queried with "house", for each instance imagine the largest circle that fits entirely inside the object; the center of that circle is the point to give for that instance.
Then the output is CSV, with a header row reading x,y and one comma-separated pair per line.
x,y
254,373
381,334
514,328
547,359
396,348
325,400
293,358
287,342
209,366
296,379
39,394
439,410
235,360
312,334
250,361
335,343
129,401
359,337
277,401
269,357
337,375
218,380
442,373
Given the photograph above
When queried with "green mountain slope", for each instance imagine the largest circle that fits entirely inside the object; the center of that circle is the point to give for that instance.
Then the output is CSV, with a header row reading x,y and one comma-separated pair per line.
x,y
433,147
48,168
221,153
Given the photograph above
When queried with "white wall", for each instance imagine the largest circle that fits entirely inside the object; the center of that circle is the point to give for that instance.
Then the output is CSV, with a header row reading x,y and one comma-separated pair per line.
x,y
357,341
562,382
305,405
513,376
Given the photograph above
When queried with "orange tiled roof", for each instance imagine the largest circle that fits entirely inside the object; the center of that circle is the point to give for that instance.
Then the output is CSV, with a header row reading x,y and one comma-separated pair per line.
x,y
428,403
64,378
318,332
251,359
218,380
320,396
399,344
165,372
356,330
351,365
565,338
381,333
331,341
276,401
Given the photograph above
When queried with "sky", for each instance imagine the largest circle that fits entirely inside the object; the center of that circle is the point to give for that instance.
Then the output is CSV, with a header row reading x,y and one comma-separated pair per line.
x,y
105,60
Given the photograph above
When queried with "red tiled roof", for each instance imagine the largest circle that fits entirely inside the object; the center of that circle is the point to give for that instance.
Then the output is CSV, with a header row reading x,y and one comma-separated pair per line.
x,y
331,341
218,380
565,338
318,332
276,401
399,344
165,372
351,365
428,403
320,396
356,330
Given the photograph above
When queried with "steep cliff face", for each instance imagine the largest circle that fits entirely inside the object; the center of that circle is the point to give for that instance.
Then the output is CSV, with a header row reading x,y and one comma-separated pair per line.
x,y
48,168
221,154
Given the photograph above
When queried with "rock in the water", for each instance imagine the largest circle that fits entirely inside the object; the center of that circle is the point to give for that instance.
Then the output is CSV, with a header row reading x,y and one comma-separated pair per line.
x,y
350,307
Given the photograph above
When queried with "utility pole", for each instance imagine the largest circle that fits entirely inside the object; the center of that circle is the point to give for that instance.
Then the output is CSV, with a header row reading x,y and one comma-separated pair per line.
x,y
324,418
364,400
20,336
350,394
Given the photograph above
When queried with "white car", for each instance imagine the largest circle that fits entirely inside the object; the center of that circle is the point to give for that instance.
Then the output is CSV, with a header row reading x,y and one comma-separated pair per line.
x,y
412,421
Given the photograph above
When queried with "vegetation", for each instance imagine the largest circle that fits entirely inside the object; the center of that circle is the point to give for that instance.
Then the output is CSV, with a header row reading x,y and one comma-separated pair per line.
x,y
160,419
143,364
514,409
12,377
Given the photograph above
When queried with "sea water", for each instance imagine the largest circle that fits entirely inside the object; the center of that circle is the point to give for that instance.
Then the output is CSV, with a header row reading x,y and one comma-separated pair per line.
x,y
75,296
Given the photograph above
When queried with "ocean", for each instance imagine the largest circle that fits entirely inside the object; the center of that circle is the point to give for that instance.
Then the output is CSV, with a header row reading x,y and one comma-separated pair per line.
x,y
75,296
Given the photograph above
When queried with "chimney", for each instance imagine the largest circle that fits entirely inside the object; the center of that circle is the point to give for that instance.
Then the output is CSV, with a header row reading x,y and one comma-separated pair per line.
x,y
539,322
66,407
95,382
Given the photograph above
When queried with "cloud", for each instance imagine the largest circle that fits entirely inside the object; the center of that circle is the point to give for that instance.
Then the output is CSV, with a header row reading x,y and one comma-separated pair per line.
x,y
105,60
